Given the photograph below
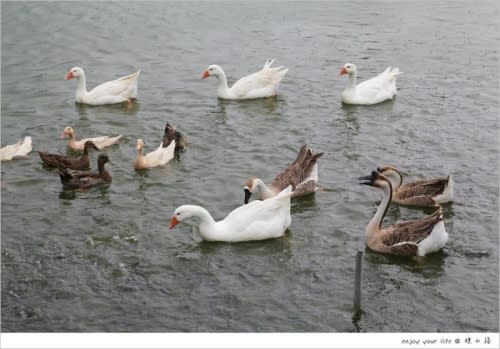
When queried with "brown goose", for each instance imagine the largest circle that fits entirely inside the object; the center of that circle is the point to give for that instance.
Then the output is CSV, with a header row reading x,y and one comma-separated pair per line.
x,y
410,238
302,174
84,179
56,160
427,192
172,134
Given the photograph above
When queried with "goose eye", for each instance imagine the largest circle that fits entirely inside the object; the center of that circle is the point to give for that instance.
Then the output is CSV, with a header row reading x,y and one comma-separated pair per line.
x,y
211,69
178,213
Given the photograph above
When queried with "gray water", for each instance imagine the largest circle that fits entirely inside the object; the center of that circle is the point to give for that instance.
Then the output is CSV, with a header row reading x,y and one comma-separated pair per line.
x,y
104,259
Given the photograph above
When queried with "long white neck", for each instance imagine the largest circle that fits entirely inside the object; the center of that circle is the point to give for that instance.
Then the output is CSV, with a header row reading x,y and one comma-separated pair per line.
x,y
376,222
81,86
206,223
222,87
352,79
263,191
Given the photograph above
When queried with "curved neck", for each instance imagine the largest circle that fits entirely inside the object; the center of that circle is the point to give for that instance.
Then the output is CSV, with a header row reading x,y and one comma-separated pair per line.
x,y
263,191
222,87
206,219
376,221
352,79
85,152
396,180
81,85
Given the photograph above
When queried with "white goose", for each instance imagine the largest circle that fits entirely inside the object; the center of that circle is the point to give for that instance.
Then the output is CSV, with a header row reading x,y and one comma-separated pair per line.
x,y
372,91
259,220
19,150
101,141
302,173
158,157
263,83
116,91
410,238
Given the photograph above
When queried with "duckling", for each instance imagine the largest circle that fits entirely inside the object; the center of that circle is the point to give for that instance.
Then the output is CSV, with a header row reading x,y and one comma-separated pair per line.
x,y
411,238
427,192
84,179
56,160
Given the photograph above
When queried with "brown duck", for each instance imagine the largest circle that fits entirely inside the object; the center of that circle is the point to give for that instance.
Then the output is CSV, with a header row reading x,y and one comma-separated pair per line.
x,y
84,179
56,160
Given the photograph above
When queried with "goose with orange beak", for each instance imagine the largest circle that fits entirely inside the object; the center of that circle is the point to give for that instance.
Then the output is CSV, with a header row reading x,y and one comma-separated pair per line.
x,y
261,84
375,90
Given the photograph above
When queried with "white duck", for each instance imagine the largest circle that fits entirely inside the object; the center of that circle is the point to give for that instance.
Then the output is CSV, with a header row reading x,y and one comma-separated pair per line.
x,y
302,173
116,91
158,157
410,238
101,141
263,83
372,91
259,220
19,150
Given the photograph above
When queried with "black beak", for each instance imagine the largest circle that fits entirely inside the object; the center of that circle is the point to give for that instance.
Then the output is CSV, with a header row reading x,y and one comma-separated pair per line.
x,y
367,180
248,193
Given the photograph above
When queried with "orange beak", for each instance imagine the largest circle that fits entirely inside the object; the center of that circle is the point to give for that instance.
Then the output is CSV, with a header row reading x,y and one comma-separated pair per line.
x,y
343,71
205,74
69,76
173,222
63,135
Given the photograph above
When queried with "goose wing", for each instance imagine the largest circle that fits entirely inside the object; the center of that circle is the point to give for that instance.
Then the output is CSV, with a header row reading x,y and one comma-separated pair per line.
x,y
400,236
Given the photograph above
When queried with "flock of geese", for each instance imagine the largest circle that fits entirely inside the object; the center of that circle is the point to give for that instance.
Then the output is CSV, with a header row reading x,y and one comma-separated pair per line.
x,y
268,216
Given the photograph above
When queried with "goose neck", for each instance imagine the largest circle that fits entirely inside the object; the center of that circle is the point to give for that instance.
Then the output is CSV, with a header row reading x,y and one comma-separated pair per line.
x,y
352,79
376,222
222,87
263,191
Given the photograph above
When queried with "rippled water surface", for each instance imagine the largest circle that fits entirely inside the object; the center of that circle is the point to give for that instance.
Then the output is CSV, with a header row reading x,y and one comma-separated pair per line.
x,y
104,259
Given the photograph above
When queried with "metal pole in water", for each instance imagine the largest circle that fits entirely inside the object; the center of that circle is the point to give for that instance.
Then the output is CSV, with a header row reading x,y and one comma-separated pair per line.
x,y
357,281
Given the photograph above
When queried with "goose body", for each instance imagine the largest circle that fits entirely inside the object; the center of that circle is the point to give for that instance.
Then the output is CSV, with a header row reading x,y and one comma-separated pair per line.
x,y
84,179
14,151
56,160
101,141
259,220
427,192
158,157
263,83
410,238
116,91
302,173
372,91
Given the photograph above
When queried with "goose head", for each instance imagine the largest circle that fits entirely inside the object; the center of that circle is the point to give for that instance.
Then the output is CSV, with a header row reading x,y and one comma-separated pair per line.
x,y
348,68
75,72
249,188
181,213
68,132
392,174
212,70
375,179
